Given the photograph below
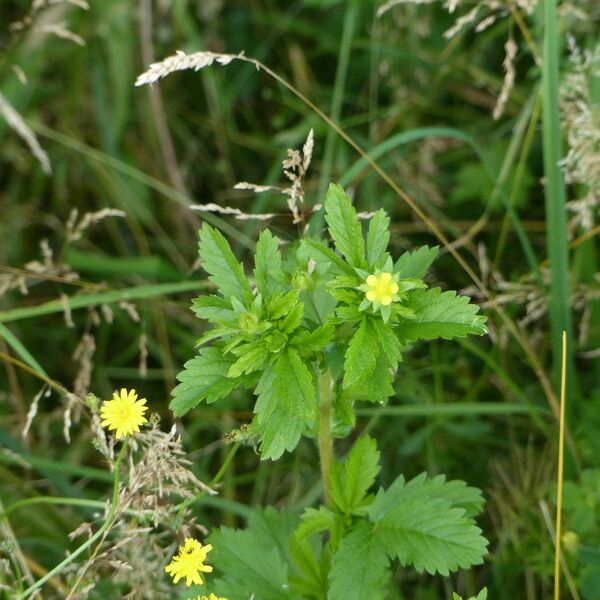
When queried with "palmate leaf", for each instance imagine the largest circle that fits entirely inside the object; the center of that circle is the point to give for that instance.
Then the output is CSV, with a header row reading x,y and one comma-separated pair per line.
x,y
286,404
440,315
203,378
255,560
344,226
352,479
424,525
218,260
360,567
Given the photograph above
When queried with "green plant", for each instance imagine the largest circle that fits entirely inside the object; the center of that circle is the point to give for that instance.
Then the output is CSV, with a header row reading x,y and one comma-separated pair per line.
x,y
313,332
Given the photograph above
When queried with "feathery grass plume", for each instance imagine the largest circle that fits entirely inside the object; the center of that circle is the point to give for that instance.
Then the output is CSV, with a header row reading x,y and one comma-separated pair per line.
x,y
75,229
161,472
480,17
510,49
581,121
295,168
16,122
180,61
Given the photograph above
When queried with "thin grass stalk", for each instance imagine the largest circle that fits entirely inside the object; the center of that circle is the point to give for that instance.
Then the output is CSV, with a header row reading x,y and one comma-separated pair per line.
x,y
555,191
560,475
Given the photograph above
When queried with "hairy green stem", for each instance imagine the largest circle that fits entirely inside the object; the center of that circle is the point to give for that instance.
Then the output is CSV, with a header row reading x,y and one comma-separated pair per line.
x,y
107,523
325,438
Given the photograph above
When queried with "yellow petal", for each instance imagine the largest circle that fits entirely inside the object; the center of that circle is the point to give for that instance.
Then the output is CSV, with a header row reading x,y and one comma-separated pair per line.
x,y
371,280
386,300
371,295
385,277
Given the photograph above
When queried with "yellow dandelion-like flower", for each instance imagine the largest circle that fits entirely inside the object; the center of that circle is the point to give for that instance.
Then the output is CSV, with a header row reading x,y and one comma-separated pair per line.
x,y
124,413
211,597
189,563
381,288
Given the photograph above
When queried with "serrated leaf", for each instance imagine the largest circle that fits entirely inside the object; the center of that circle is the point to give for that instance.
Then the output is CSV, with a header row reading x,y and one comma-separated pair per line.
x,y
314,520
321,254
388,341
440,315
361,354
251,358
421,527
311,342
279,305
344,226
255,560
218,260
286,404
212,308
378,237
352,479
310,578
203,378
293,319
360,565
415,264
376,388
267,264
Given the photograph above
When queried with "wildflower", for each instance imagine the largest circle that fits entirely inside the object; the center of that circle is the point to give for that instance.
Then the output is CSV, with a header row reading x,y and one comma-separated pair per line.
x,y
381,288
189,563
211,597
124,413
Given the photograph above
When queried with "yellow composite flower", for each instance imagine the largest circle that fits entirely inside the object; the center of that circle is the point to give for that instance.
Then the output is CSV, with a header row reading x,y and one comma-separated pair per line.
x,y
381,288
211,597
189,563
124,413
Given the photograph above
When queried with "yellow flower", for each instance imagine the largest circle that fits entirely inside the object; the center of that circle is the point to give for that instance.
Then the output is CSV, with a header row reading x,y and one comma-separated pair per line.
x,y
211,597
124,412
189,562
381,288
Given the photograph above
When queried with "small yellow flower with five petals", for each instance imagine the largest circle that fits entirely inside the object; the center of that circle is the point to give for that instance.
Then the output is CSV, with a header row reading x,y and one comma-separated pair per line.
x,y
381,288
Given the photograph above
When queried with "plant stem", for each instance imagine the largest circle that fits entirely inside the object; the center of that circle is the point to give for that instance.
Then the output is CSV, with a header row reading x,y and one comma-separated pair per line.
x,y
107,523
325,439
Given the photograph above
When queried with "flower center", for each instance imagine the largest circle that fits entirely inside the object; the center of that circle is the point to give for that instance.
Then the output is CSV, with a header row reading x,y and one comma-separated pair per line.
x,y
381,288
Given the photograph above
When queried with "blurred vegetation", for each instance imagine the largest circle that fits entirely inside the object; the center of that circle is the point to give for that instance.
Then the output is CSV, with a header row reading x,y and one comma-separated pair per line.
x,y
419,102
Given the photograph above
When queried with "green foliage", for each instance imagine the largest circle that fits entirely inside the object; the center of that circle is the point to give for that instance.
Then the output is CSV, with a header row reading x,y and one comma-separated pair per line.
x,y
351,480
342,318
218,260
274,332
255,560
286,404
344,226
